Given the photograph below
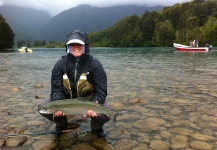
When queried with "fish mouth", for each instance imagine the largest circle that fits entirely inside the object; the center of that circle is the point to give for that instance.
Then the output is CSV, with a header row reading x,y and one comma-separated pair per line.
x,y
43,111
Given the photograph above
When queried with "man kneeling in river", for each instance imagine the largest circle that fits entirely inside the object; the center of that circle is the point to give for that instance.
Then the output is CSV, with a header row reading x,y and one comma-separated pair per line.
x,y
78,75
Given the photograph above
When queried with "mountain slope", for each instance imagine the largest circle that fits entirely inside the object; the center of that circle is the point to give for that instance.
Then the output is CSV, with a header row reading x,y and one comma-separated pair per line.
x,y
89,19
25,22
30,25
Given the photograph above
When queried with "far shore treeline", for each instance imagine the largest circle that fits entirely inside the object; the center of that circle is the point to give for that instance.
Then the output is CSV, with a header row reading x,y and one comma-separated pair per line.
x,y
179,23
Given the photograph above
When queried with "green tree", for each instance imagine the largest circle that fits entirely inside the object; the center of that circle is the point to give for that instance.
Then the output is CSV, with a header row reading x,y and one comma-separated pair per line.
x,y
133,38
209,31
147,26
98,39
201,12
173,14
6,35
187,23
39,43
36,44
43,43
120,30
164,33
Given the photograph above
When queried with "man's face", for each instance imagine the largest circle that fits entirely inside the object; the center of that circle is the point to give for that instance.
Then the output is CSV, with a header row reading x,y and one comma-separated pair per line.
x,y
77,49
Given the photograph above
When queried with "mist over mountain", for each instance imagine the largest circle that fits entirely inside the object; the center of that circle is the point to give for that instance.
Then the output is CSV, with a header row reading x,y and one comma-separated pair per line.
x,y
25,22
30,25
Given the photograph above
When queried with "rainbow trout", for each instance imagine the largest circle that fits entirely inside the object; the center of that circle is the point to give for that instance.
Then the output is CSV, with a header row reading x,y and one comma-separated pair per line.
x,y
76,107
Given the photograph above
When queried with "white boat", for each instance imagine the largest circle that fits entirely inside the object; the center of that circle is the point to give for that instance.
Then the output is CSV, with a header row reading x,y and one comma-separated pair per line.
x,y
179,45
25,49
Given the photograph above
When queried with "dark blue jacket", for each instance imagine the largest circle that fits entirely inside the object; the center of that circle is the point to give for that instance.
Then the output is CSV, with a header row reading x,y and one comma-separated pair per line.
x,y
96,76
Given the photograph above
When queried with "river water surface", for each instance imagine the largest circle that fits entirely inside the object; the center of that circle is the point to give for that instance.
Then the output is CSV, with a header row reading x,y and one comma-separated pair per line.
x,y
166,100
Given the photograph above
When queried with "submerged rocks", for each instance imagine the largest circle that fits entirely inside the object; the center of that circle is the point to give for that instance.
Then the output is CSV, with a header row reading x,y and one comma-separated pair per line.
x,y
35,123
202,137
179,142
102,144
118,106
2,142
44,144
16,120
126,144
38,86
83,146
159,145
15,141
15,89
135,100
201,145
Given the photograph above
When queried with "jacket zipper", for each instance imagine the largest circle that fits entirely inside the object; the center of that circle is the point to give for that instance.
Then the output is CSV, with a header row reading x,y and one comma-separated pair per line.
x,y
76,70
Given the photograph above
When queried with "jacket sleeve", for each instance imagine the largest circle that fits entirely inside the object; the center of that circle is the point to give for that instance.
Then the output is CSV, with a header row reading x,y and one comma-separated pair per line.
x,y
99,79
57,91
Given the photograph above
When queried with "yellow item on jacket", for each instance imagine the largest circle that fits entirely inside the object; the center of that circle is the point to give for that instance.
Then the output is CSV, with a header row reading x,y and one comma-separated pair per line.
x,y
84,88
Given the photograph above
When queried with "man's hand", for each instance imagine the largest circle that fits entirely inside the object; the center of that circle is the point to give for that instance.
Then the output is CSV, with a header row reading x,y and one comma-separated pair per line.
x,y
59,114
91,113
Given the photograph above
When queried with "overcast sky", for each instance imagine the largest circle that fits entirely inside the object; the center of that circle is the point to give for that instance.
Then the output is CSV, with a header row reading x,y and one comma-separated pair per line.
x,y
54,7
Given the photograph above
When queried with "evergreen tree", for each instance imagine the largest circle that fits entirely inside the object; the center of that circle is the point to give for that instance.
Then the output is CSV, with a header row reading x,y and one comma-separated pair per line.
x,y
6,35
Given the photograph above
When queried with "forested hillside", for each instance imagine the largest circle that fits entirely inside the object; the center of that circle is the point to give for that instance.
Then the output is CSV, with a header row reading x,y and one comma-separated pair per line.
x,y
6,35
179,23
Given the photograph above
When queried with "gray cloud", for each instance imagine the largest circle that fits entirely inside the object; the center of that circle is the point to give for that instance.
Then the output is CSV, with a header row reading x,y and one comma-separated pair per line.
x,y
56,6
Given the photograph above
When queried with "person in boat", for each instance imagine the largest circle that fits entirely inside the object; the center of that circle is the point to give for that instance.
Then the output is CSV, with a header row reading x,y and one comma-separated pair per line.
x,y
206,45
191,43
67,81
196,43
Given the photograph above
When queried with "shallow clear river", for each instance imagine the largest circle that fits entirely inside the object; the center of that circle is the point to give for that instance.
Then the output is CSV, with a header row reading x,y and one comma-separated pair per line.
x,y
165,100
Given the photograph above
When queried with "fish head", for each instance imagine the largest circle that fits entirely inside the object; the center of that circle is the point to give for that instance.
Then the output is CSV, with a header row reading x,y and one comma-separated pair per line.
x,y
43,111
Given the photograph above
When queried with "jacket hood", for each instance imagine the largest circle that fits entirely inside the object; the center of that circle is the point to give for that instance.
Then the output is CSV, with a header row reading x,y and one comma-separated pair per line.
x,y
79,36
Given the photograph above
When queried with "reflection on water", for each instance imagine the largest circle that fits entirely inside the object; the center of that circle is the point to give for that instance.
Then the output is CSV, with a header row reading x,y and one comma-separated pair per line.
x,y
177,92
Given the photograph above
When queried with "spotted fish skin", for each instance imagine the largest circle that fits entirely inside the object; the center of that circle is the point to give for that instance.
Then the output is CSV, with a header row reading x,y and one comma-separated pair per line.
x,y
76,107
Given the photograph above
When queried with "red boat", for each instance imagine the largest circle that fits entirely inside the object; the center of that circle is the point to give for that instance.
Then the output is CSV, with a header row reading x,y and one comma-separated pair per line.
x,y
184,48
